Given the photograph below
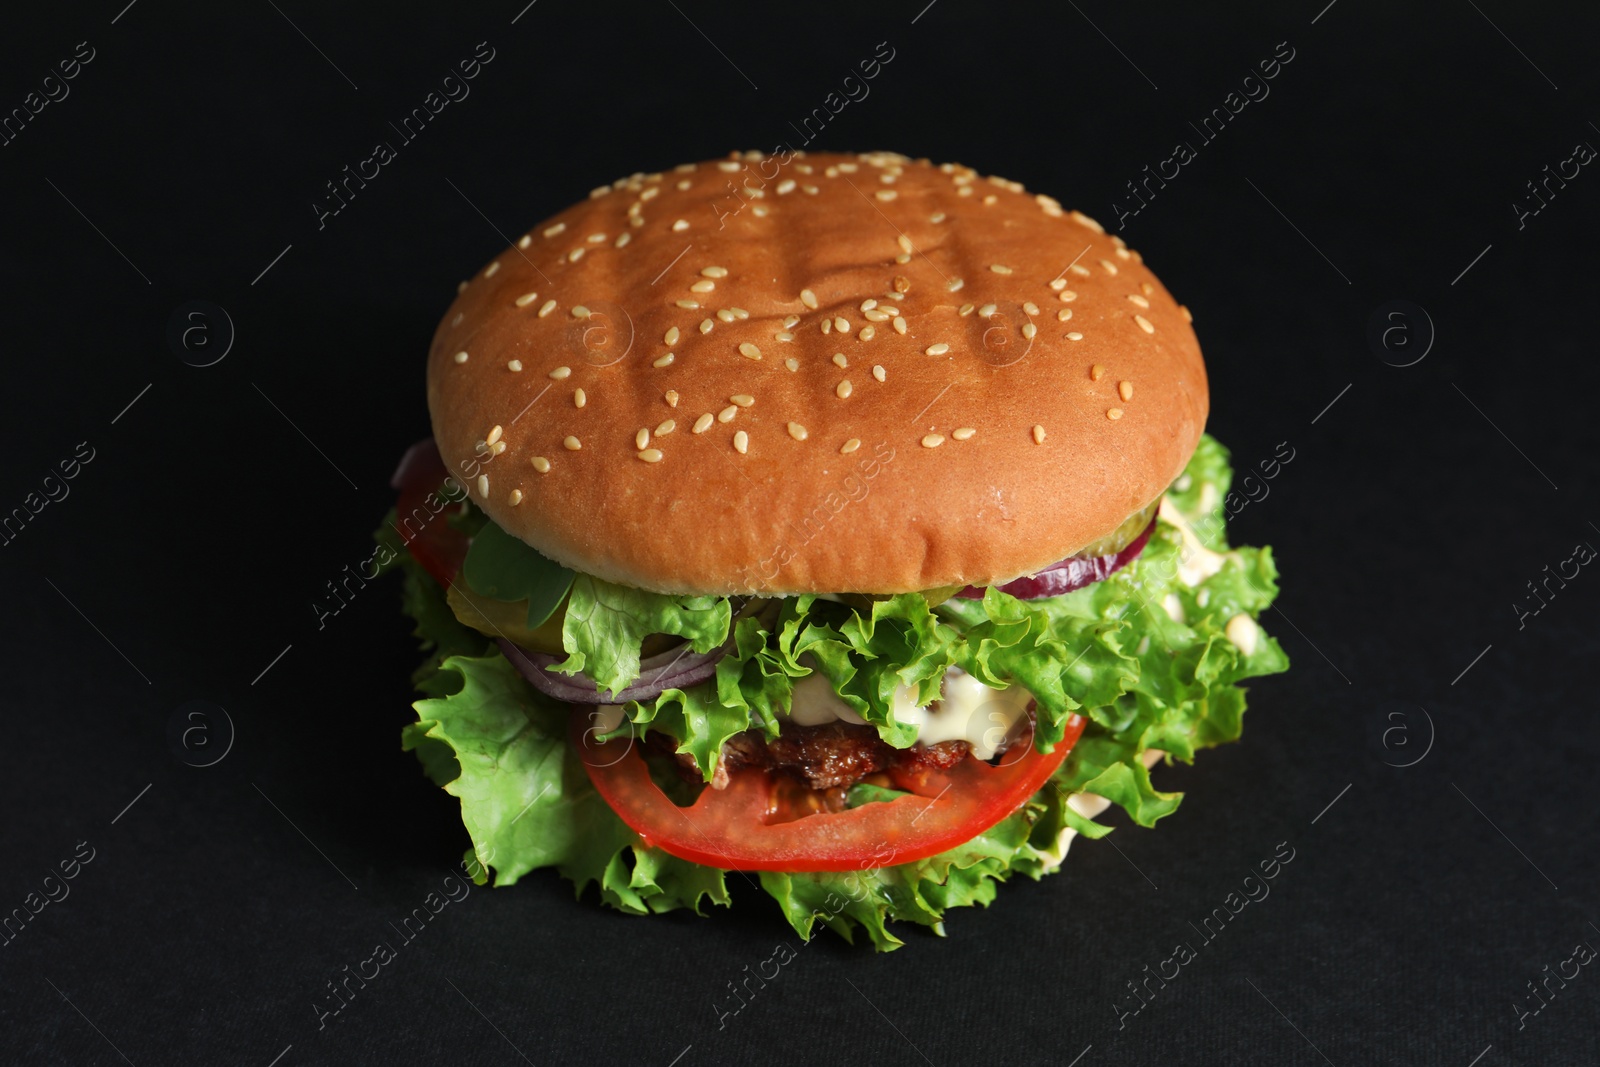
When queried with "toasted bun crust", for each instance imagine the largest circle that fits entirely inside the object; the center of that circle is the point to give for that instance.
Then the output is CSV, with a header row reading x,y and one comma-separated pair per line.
x,y
993,441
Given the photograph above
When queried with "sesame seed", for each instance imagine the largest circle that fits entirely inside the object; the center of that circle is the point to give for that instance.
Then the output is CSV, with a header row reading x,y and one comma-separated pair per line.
x,y
579,398
579,311
1068,296
933,440
540,464
1079,269
899,324
843,389
680,225
1000,268
1030,307
572,444
1144,324
963,433
1095,372
498,447
575,255
1028,330
903,257
714,272
796,431
741,442
749,350
1084,220
516,497
744,400
651,455
790,320
549,306
885,194
939,349
759,211
622,240
1038,434
483,486
671,397
1114,414
663,361
850,446
641,438
687,305
965,190
524,241
1074,336
1064,314
987,310
1058,284
725,315
904,242
551,231
902,284
461,357
936,218
560,373
841,324
727,413
808,298
728,165
868,304
666,428
461,287
494,435
1147,288
515,364
702,424
990,200
783,335
786,186
650,193
879,373
597,238
792,363
966,309
866,333
1188,316
456,321
1111,268
827,325
704,285
671,336
875,315
525,299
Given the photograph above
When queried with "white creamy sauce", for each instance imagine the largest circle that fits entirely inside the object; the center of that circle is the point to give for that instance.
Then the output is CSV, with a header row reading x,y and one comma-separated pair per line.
x,y
815,703
1174,607
1196,562
1244,633
967,711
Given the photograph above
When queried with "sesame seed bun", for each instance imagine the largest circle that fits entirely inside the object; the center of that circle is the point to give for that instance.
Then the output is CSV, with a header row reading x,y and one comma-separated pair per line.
x,y
673,384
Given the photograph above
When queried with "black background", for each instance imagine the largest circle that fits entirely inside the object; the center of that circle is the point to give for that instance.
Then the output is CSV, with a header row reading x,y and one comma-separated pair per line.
x,y
1387,157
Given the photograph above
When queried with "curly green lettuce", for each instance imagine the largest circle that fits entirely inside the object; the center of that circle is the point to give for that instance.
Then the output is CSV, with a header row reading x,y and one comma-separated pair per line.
x,y
1145,656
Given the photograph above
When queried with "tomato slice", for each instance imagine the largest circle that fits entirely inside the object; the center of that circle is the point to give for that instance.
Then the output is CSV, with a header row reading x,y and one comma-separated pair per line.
x,y
427,534
733,828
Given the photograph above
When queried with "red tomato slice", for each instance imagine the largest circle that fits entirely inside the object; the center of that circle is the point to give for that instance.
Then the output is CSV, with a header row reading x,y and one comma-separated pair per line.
x,y
431,540
733,828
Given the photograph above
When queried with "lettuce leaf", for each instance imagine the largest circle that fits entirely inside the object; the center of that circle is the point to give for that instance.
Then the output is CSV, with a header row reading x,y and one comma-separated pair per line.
x,y
1143,656
605,625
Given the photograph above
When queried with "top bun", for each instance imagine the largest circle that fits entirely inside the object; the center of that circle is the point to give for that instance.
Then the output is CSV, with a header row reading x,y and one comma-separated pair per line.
x,y
796,373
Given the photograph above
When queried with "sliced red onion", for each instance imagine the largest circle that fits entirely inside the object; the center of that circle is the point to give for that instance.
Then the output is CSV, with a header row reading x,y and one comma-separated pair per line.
x,y
1069,574
674,669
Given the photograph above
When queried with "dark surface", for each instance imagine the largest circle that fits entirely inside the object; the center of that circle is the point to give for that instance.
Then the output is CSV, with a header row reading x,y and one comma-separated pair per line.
x,y
218,905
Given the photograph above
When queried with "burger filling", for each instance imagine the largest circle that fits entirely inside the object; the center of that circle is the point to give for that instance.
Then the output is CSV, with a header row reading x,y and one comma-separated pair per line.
x,y
807,731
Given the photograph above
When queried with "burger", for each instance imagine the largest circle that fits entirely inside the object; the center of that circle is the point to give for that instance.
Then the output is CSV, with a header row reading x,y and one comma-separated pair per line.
x,y
845,521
